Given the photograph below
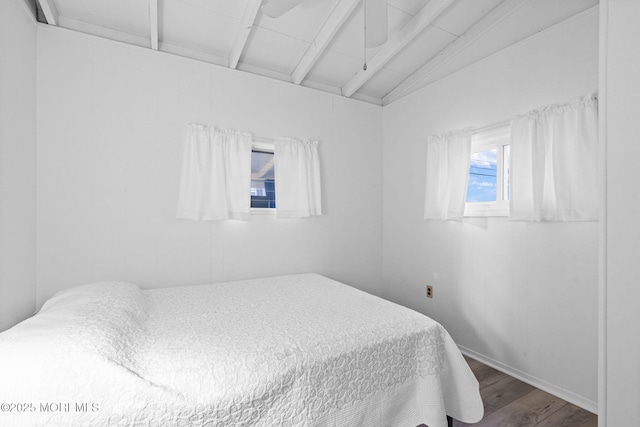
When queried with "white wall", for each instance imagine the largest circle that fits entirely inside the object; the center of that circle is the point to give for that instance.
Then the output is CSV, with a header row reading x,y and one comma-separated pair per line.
x,y
111,128
621,314
522,296
17,162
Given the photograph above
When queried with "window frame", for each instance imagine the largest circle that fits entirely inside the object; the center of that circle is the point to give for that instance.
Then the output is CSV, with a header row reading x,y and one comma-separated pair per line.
x,y
265,147
497,137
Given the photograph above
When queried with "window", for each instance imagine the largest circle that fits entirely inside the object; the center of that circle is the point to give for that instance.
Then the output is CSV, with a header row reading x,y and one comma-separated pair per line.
x,y
263,189
488,188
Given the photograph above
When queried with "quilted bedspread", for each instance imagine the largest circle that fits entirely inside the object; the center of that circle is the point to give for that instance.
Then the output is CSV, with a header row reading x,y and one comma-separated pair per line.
x,y
299,350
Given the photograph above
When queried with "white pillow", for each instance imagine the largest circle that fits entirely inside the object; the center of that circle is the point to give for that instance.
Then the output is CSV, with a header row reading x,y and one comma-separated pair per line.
x,y
104,319
78,348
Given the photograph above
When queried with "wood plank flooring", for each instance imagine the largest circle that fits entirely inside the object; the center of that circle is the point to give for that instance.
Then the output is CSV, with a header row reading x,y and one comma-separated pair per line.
x,y
509,402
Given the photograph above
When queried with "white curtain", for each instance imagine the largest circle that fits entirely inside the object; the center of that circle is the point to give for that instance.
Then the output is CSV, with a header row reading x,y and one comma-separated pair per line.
x,y
447,175
216,174
297,178
554,165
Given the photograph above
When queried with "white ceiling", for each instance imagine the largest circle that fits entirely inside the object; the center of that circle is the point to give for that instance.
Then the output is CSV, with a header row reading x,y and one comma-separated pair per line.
x,y
320,43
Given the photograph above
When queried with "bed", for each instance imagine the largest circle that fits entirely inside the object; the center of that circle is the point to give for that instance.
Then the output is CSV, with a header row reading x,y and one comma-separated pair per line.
x,y
298,350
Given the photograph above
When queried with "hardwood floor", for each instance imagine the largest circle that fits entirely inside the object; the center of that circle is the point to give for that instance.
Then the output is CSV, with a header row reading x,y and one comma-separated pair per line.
x,y
509,402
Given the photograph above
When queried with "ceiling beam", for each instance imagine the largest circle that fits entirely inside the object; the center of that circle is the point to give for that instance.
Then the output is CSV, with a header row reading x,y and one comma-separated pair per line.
x,y
489,21
248,19
50,12
31,7
153,23
397,41
332,25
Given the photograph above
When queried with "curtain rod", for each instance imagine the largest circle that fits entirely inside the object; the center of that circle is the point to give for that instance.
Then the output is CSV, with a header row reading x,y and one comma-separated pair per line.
x,y
491,127
263,139
254,138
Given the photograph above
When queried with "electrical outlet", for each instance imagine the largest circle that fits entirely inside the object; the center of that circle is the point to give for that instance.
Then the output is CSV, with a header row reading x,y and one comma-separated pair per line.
x,y
429,291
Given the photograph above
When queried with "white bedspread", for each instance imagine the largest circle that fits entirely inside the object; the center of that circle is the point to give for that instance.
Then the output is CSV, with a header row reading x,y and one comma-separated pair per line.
x,y
298,350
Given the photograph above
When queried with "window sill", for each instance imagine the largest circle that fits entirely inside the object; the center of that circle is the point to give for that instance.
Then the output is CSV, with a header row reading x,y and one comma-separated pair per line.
x,y
262,211
486,210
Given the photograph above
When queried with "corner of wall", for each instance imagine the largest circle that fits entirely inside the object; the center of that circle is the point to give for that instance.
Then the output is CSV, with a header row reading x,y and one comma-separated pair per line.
x,y
17,161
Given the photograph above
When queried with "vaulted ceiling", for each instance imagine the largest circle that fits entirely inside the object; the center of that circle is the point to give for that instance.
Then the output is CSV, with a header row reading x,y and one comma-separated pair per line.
x,y
320,43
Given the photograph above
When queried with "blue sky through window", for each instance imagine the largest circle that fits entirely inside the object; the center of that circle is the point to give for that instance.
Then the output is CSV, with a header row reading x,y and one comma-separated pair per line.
x,y
483,183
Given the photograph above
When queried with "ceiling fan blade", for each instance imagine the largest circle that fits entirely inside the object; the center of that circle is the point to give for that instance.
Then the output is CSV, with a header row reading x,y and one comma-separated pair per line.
x,y
376,21
277,8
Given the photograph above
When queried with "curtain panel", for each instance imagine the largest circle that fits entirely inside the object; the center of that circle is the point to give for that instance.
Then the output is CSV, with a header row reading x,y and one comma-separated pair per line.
x,y
554,167
297,174
448,158
216,175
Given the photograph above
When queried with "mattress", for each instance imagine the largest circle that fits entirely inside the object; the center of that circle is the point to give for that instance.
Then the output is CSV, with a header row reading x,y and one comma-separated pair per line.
x,y
300,350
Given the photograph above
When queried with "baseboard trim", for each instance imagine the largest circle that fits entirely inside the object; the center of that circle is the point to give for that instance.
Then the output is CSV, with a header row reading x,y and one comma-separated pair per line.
x,y
569,396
